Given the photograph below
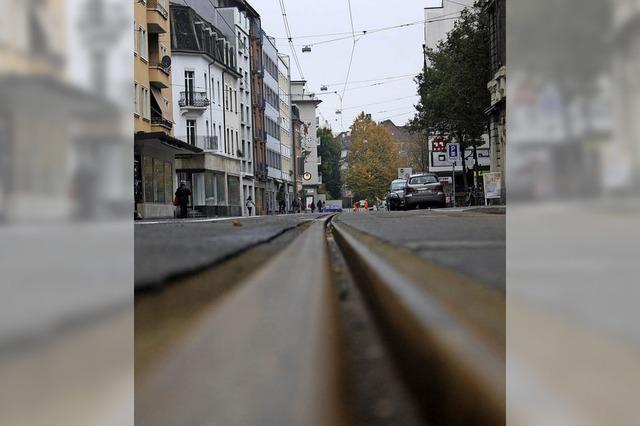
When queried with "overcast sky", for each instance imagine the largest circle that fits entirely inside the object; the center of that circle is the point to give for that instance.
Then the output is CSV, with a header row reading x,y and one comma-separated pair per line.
x,y
391,53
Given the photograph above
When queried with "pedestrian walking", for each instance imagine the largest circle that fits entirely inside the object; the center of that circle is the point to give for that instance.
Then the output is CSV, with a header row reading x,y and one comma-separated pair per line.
x,y
355,206
295,205
366,205
320,206
249,204
312,206
182,198
281,201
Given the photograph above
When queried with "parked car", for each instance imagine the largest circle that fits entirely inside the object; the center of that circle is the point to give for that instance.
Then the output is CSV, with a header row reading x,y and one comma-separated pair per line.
x,y
424,190
395,196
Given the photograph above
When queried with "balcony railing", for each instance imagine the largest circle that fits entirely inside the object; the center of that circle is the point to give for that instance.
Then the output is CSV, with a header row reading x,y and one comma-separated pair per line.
x,y
160,6
193,99
203,142
161,121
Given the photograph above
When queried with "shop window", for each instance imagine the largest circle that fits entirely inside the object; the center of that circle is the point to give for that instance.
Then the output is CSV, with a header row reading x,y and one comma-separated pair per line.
x,y
158,177
168,181
233,183
220,187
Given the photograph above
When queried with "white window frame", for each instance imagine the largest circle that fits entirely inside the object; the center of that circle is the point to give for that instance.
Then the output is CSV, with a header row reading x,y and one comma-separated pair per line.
x,y
144,43
136,98
146,102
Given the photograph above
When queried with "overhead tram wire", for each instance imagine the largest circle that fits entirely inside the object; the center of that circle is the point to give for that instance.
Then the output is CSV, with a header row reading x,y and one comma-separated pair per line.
x,y
350,89
290,38
353,50
381,102
397,115
402,76
369,32
349,34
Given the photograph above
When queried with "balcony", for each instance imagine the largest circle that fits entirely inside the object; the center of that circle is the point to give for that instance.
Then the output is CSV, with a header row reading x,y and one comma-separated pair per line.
x,y
157,16
210,142
159,76
207,143
157,120
194,100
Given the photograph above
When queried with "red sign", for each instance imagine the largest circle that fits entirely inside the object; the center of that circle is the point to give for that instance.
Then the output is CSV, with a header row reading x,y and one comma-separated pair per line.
x,y
438,145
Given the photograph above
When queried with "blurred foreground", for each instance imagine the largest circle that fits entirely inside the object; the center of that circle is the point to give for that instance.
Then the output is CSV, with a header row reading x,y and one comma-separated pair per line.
x,y
573,170
66,238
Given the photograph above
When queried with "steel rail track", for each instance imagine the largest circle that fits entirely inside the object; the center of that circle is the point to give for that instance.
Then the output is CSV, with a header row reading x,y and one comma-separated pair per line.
x,y
456,371
275,349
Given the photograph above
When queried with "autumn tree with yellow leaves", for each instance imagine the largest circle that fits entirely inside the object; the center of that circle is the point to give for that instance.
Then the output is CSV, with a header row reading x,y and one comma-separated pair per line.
x,y
373,159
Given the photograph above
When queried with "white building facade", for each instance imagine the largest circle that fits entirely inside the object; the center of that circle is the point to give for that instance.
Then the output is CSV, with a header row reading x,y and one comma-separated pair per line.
x,y
272,120
286,131
307,104
240,39
203,69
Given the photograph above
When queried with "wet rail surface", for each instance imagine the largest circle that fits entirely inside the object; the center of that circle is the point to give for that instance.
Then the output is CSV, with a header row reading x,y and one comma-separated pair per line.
x,y
322,324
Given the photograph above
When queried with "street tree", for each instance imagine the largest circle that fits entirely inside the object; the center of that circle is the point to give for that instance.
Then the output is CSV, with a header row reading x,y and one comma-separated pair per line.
x,y
453,87
373,159
329,151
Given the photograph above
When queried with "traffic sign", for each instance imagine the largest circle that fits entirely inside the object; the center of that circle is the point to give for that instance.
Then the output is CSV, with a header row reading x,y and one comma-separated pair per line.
x,y
404,172
453,151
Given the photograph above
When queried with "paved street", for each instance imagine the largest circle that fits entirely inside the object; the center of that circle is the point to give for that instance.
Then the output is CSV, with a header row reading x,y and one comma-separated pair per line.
x,y
469,242
169,248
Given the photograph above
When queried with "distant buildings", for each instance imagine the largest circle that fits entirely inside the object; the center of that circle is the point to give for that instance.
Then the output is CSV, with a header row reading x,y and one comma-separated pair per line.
x,y
406,143
213,108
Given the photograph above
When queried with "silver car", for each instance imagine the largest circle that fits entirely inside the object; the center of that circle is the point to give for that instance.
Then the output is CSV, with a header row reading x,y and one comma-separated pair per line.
x,y
424,190
395,196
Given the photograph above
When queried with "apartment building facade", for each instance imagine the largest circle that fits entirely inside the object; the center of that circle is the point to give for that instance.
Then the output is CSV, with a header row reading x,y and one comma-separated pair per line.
x,y
271,121
155,147
297,130
236,27
205,114
307,103
286,130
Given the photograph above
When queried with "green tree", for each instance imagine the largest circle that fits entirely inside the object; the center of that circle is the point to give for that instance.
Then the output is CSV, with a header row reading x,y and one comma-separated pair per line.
x,y
329,151
373,159
453,88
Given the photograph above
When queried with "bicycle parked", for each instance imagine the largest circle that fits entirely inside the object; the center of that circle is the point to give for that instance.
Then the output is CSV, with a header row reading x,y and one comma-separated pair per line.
x,y
474,197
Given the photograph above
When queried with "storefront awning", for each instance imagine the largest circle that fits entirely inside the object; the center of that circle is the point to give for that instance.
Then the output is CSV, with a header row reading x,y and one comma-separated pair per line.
x,y
176,145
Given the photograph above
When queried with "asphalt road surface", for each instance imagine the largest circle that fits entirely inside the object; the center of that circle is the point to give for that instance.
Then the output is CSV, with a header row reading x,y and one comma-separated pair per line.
x,y
470,242
165,249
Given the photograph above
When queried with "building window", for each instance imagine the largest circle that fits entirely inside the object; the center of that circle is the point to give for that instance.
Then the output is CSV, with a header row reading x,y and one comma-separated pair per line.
x,y
136,98
163,51
146,105
188,86
213,91
158,180
218,93
143,43
191,132
136,38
